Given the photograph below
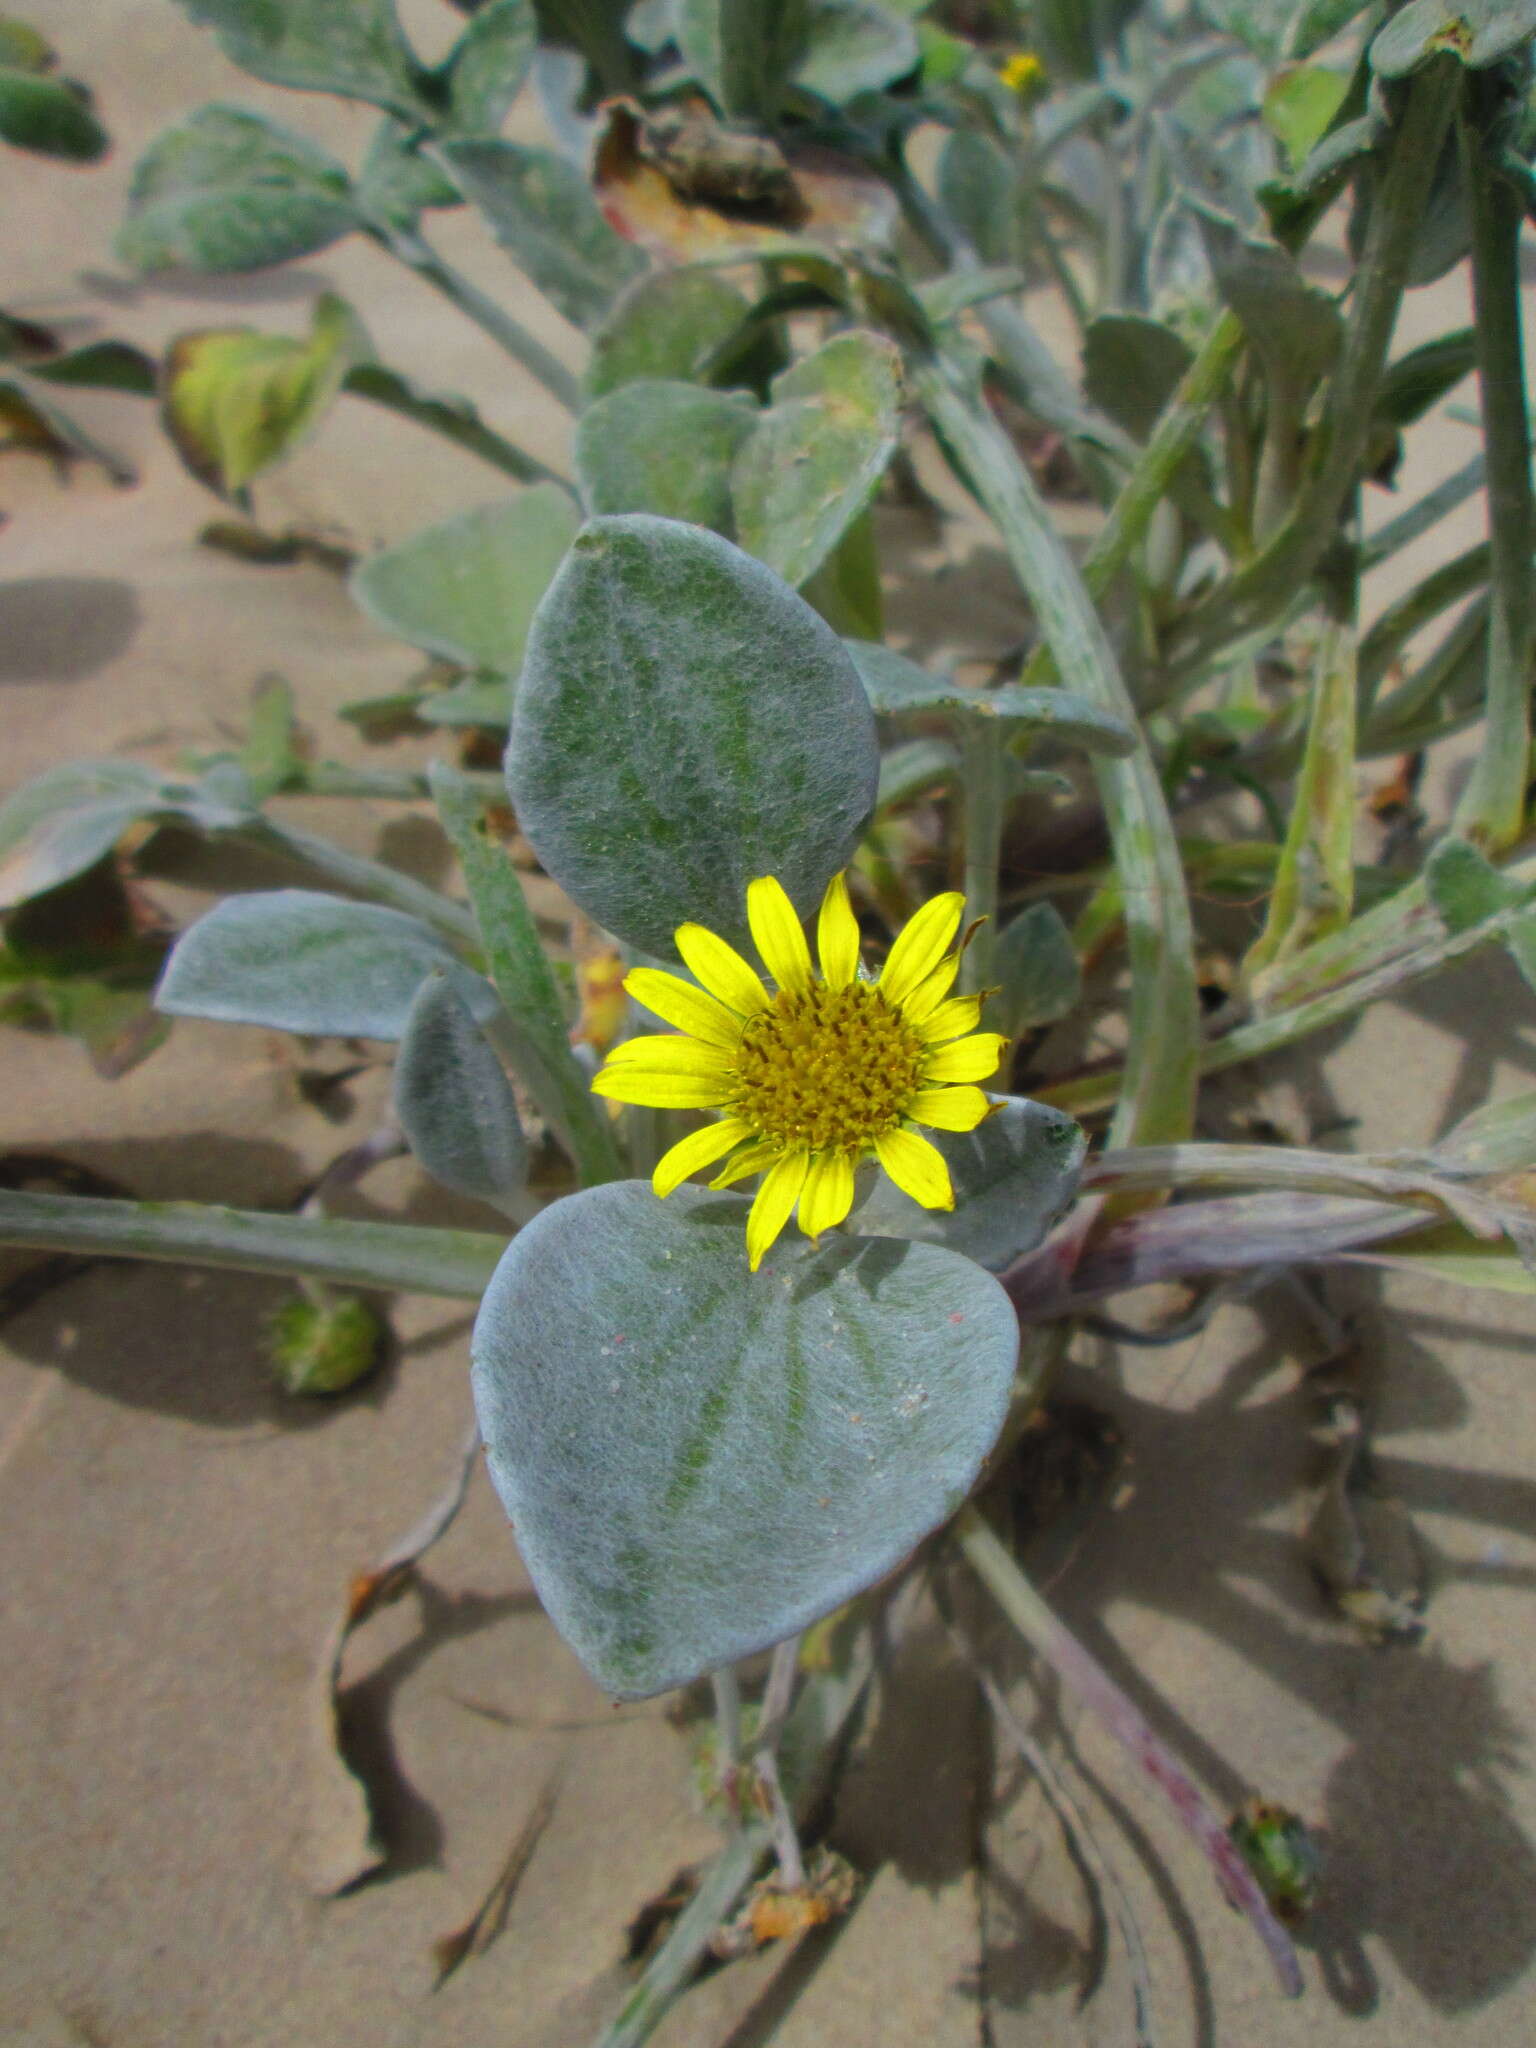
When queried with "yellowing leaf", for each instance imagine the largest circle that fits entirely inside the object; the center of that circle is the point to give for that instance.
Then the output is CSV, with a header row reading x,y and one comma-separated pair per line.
x,y
237,401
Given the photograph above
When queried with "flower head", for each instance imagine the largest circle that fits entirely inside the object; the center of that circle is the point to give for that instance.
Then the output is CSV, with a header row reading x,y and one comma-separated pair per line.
x,y
1024,74
818,1073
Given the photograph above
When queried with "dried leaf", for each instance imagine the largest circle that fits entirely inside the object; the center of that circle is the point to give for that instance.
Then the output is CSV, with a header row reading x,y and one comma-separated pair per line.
x,y
490,1916
342,1844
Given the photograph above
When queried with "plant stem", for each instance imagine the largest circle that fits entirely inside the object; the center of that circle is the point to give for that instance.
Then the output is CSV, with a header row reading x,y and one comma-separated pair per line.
x,y
1260,590
1147,485
509,335
1052,1641
1492,808
359,876
983,775
1157,1104
395,1257
457,422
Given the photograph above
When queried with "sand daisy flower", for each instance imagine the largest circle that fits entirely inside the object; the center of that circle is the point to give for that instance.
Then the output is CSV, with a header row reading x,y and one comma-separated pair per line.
x,y
818,1073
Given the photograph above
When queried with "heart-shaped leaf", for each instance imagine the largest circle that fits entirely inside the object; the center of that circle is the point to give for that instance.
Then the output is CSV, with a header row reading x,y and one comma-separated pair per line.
x,y
467,587
665,448
685,723
453,1100
227,189
816,455
1013,1176
699,1460
298,960
853,46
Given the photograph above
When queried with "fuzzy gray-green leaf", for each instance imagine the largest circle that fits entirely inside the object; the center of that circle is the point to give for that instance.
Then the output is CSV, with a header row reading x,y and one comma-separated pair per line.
x,y
453,1100
700,1460
1013,1177
350,47
299,960
685,723
467,588
667,448
227,189
817,454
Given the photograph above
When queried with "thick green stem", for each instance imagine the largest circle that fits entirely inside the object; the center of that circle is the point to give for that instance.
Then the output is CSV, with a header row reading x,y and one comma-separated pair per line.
x,y
984,778
1262,589
399,1257
454,421
359,876
492,319
1492,808
1157,1105
1149,482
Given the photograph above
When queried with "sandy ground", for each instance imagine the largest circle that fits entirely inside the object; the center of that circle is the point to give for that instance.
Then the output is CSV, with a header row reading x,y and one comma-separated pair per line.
x,y
176,1537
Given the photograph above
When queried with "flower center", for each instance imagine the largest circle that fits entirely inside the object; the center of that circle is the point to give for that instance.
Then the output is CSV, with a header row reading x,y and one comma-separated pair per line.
x,y
830,1069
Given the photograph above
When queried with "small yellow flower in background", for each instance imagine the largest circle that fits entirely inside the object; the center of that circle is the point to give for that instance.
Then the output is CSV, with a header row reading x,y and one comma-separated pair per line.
x,y
820,1073
1023,73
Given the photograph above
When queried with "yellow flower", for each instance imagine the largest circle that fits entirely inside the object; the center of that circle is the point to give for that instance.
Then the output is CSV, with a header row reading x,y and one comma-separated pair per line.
x,y
818,1075
1023,73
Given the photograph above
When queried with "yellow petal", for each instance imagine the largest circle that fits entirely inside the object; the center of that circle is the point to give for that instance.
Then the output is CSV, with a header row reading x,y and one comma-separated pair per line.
x,y
653,1089
949,1109
721,969
751,1159
777,935
931,990
917,1168
664,1054
828,1192
921,945
968,1059
950,1020
690,1009
837,937
774,1201
698,1149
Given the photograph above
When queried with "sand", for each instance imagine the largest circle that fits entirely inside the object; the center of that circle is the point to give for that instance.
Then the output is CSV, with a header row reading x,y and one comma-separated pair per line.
x,y
177,1536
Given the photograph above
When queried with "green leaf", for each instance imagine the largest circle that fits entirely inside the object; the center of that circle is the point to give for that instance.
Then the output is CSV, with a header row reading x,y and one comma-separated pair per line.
x,y
444,413
945,298
51,116
541,210
99,366
895,685
57,826
1465,889
486,67
1014,1177
1499,1138
1299,106
1036,965
741,51
270,755
453,1101
226,189
519,969
353,48
853,47
759,1447
467,587
685,723
29,419
1476,32
665,448
24,48
298,960
397,184
669,325
979,190
237,401
1423,376
475,700
816,456
1131,368
1316,22
1450,1253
